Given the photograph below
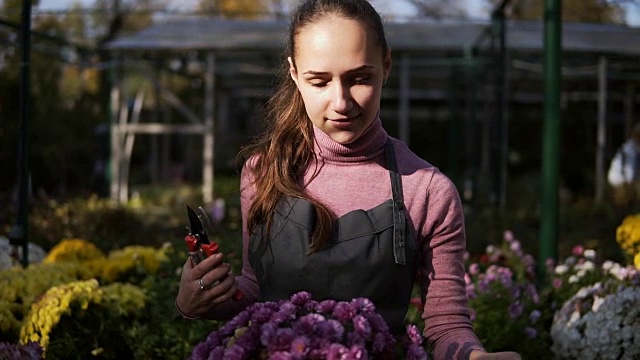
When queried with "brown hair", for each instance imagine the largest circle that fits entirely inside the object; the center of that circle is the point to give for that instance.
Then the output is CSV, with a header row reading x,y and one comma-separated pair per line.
x,y
284,151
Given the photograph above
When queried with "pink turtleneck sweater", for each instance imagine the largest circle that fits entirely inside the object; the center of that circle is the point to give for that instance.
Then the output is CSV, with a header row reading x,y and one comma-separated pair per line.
x,y
353,177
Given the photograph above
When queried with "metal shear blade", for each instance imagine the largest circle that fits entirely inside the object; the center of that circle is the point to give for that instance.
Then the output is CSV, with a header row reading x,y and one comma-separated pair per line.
x,y
200,226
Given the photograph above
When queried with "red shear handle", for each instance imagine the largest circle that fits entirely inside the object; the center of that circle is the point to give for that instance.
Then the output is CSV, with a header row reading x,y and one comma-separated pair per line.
x,y
210,249
192,243
214,248
195,253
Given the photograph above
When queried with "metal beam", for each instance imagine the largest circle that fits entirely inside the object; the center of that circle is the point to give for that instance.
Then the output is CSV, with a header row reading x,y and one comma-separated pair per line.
x,y
551,133
601,141
19,235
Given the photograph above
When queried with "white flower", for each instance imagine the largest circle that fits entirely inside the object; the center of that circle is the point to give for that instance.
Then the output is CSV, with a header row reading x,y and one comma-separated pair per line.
x,y
608,329
589,254
586,266
573,279
607,265
596,303
561,269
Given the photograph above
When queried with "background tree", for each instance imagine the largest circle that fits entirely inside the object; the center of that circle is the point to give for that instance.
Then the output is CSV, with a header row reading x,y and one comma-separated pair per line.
x,y
234,8
69,88
586,11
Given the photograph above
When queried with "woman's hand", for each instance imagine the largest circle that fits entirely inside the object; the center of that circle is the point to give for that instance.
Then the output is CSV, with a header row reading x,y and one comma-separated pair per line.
x,y
481,355
204,286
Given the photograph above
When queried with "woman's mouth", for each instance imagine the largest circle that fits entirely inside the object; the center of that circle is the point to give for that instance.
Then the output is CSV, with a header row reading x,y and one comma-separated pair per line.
x,y
344,119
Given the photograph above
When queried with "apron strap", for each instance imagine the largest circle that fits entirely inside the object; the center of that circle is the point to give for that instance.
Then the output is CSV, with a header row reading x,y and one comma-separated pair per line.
x,y
399,217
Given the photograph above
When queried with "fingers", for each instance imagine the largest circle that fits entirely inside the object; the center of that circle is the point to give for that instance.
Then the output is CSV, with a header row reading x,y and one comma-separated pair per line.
x,y
205,285
507,355
206,266
215,277
224,290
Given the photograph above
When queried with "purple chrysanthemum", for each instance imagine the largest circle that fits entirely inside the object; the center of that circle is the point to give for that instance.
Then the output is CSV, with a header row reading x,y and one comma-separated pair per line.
x,y
300,347
331,330
241,320
416,352
355,338
307,324
281,340
357,352
29,351
534,316
301,298
325,306
515,309
248,340
234,352
378,324
337,352
364,305
361,325
344,311
301,328
414,334
261,315
217,353
280,355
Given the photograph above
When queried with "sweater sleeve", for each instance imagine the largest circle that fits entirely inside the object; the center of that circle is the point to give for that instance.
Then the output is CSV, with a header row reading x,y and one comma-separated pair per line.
x,y
448,327
246,281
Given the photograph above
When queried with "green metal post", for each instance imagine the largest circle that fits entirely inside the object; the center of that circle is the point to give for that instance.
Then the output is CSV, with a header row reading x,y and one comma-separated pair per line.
x,y
19,233
551,131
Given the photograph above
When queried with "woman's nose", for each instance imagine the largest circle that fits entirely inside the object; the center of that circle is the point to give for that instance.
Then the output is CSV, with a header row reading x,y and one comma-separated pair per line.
x,y
341,101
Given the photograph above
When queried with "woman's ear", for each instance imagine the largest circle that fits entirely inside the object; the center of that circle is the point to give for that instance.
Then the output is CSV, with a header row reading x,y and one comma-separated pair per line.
x,y
386,65
292,70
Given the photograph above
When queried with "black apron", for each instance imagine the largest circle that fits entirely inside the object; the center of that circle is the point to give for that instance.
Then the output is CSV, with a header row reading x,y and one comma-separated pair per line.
x,y
372,254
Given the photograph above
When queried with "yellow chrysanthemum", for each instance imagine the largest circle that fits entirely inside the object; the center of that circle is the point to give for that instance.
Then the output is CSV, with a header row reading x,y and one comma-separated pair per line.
x,y
73,250
149,257
124,299
47,311
628,234
122,261
19,288
636,261
8,321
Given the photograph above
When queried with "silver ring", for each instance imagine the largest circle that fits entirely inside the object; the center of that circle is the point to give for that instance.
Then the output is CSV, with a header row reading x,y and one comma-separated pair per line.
x,y
202,285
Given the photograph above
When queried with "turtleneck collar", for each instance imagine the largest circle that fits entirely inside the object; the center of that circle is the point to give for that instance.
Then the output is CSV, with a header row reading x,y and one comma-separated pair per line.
x,y
367,147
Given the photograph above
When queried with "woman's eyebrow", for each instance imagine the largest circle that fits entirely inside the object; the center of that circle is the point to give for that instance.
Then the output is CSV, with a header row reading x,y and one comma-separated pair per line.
x,y
358,69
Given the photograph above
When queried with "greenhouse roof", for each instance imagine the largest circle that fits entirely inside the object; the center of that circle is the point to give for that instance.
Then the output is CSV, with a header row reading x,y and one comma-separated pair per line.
x,y
267,35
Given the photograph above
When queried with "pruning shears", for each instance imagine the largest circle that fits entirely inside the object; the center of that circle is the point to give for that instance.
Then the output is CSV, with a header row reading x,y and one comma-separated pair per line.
x,y
198,243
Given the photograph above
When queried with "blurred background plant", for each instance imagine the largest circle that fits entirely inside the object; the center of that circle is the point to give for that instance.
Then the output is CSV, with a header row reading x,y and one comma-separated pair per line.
x,y
628,236
136,264
513,304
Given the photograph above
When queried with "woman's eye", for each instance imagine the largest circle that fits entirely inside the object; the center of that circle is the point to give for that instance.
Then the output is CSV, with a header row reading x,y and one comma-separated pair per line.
x,y
362,80
318,84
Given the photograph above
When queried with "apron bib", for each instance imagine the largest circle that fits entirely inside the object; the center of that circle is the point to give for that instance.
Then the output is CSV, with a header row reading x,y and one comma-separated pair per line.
x,y
372,254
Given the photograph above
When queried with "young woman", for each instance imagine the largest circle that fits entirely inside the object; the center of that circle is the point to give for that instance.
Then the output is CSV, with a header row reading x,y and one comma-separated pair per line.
x,y
333,205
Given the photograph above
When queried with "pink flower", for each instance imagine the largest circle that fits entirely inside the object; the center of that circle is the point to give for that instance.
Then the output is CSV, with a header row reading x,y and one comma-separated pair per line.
x,y
516,247
550,263
557,283
577,250
508,236
474,269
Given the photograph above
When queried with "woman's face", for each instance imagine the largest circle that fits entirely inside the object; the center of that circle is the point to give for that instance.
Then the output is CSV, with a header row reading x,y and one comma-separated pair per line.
x,y
339,70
